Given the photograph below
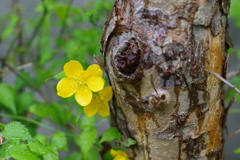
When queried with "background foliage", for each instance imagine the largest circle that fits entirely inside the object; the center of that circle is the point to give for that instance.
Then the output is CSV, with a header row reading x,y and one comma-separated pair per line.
x,y
36,124
35,48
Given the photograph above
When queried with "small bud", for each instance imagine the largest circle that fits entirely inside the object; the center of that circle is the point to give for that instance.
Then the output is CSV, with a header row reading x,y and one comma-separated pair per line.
x,y
159,98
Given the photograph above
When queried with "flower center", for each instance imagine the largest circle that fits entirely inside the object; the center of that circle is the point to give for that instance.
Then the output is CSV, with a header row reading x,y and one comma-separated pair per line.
x,y
98,101
80,82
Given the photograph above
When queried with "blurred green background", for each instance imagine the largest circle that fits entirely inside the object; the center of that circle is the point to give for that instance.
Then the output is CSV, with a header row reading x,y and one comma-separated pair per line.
x,y
37,38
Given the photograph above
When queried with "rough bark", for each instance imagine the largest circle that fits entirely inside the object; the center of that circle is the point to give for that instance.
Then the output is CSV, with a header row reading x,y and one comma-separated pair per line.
x,y
158,55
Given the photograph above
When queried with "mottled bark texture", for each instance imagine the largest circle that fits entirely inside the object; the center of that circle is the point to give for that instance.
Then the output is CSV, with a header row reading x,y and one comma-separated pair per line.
x,y
158,55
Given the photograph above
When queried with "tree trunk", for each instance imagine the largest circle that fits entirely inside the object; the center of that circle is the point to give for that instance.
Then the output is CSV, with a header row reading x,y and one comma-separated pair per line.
x,y
158,56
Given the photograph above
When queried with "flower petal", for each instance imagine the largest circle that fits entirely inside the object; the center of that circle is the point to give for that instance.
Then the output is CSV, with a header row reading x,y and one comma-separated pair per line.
x,y
83,96
95,83
106,93
119,155
122,154
91,109
94,70
120,158
104,110
66,87
113,153
72,69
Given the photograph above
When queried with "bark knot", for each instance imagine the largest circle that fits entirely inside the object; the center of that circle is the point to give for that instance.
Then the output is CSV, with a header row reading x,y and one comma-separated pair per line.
x,y
129,59
159,99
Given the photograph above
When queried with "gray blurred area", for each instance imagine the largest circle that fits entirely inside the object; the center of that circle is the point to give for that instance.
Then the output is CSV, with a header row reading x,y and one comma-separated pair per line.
x,y
233,120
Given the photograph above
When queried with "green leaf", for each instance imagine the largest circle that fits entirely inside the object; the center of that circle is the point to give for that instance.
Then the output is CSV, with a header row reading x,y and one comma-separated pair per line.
x,y
60,75
41,138
86,140
40,110
59,140
98,145
23,101
80,110
53,155
9,30
60,110
129,142
46,110
46,52
38,148
108,156
7,147
110,134
16,130
234,9
23,155
237,151
230,50
72,49
61,11
74,156
49,4
92,154
20,84
2,126
87,122
7,97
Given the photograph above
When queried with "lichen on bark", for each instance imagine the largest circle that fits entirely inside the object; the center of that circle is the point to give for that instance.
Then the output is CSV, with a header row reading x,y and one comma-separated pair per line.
x,y
158,55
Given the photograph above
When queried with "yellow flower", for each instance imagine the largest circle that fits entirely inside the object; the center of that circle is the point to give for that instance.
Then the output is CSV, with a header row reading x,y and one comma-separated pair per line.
x,y
81,82
119,155
99,103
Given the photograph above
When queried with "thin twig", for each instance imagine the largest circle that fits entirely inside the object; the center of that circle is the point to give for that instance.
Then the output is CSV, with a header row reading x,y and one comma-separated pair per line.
x,y
231,102
23,79
226,82
10,48
233,134
72,127
226,109
152,83
233,73
7,71
97,60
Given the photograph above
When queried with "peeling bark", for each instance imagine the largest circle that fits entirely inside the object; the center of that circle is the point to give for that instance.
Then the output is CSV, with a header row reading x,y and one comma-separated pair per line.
x,y
158,55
